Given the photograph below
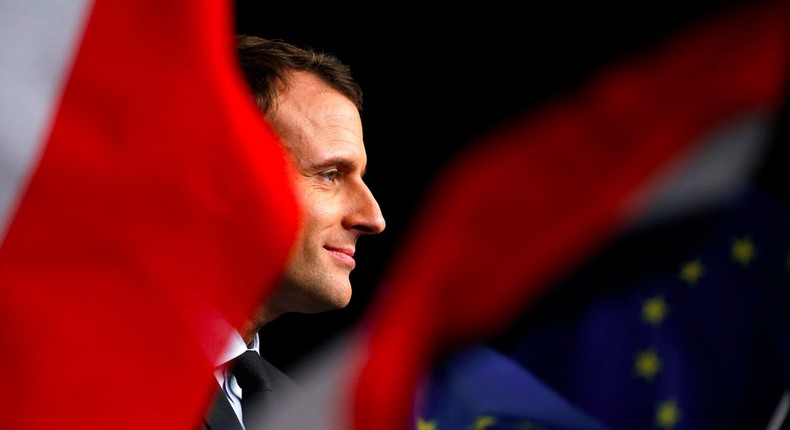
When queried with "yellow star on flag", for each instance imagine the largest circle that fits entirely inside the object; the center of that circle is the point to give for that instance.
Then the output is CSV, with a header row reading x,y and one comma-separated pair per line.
x,y
425,425
481,423
647,364
654,310
692,271
742,251
667,414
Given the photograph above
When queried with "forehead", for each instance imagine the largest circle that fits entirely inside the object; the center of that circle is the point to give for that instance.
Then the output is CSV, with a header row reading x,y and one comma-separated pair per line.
x,y
313,120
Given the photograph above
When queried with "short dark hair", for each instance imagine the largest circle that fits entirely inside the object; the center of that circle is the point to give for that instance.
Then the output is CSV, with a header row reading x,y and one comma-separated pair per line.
x,y
267,65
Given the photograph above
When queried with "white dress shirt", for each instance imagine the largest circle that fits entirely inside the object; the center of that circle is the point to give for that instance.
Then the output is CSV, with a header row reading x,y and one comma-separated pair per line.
x,y
223,373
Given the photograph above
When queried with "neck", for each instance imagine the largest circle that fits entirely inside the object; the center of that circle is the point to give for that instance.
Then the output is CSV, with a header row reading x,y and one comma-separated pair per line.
x,y
254,325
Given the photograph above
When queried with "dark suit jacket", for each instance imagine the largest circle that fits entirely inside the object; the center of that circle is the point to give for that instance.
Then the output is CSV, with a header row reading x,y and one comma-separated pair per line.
x,y
221,415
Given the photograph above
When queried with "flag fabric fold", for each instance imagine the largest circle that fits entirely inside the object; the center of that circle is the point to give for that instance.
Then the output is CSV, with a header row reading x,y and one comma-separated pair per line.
x,y
151,213
549,191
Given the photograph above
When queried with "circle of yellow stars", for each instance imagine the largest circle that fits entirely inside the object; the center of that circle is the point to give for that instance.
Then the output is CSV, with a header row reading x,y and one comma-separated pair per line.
x,y
647,363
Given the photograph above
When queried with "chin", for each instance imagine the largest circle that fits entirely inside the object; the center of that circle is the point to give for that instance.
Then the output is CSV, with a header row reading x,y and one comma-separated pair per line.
x,y
340,300
326,306
327,301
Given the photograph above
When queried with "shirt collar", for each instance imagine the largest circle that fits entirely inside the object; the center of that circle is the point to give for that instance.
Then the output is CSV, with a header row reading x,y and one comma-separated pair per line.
x,y
255,345
235,347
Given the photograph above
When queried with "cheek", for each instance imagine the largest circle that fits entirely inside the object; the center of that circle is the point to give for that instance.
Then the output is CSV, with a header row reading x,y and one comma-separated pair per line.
x,y
318,210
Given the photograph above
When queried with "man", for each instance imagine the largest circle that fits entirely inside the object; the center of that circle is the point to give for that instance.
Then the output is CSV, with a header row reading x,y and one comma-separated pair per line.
x,y
312,104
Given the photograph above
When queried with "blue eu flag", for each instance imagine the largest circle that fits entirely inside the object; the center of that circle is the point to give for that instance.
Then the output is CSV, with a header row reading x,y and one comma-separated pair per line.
x,y
480,388
680,326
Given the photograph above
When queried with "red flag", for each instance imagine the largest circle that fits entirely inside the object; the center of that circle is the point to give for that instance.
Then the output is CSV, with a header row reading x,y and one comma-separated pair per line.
x,y
146,211
530,202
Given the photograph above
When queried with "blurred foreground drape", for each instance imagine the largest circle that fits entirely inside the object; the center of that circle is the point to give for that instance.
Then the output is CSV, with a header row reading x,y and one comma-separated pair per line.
x,y
678,320
145,210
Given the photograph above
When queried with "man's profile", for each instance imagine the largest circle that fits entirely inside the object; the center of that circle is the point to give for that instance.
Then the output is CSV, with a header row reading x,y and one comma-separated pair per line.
x,y
313,105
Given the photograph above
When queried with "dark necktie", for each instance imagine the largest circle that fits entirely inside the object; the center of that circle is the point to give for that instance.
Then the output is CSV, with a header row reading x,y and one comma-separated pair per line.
x,y
251,375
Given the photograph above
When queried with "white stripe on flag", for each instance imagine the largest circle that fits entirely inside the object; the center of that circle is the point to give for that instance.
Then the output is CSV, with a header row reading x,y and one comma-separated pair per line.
x,y
780,414
712,172
38,39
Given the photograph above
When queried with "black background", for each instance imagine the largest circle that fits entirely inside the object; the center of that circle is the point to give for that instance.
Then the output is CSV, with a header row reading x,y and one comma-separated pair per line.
x,y
434,81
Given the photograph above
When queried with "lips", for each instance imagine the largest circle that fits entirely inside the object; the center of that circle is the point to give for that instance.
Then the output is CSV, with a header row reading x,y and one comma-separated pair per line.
x,y
344,255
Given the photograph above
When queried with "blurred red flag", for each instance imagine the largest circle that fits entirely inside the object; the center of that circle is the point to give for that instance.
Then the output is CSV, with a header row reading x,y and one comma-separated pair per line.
x,y
145,210
533,200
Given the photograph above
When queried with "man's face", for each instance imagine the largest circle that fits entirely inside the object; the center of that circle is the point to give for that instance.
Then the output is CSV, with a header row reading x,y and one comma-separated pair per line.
x,y
322,131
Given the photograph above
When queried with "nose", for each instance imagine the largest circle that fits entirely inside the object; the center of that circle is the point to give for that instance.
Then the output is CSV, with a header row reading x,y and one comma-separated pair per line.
x,y
365,214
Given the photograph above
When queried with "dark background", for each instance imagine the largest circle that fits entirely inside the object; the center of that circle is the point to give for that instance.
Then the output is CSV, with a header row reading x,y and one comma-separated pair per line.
x,y
434,81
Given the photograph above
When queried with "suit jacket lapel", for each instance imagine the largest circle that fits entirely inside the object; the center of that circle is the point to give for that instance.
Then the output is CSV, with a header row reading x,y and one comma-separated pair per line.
x,y
221,415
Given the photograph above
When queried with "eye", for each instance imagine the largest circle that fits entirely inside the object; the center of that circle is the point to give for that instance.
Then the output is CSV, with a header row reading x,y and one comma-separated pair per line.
x,y
329,175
